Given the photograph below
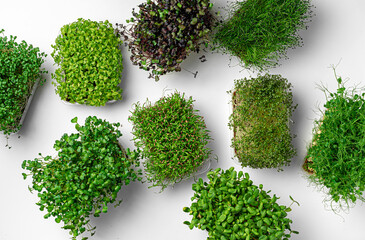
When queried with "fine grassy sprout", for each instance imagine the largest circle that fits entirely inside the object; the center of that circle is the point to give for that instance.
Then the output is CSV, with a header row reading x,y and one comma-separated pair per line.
x,y
262,108
20,69
89,62
336,156
259,33
172,136
162,33
231,207
86,175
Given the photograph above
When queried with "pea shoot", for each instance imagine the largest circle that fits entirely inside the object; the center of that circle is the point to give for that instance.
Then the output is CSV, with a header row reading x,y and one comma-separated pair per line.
x,y
336,156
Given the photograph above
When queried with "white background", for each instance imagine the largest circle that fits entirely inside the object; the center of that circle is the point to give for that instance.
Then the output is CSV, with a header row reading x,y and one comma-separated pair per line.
x,y
336,33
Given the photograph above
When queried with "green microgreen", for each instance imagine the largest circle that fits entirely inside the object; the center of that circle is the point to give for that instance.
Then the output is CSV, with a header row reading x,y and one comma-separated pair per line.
x,y
164,32
231,207
262,108
336,156
260,32
90,63
20,69
85,176
173,138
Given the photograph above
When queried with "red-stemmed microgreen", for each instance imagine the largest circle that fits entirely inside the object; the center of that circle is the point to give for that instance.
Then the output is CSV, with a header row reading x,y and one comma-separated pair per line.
x,y
162,33
172,136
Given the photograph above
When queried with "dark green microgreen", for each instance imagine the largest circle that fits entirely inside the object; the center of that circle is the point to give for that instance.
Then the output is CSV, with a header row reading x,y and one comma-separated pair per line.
x,y
173,138
164,32
89,62
262,108
86,175
260,32
20,68
336,156
229,206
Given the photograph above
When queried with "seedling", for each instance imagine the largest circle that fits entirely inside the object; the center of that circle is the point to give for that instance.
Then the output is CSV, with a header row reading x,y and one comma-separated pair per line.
x,y
336,156
20,69
89,62
163,33
85,177
172,136
230,207
262,108
259,32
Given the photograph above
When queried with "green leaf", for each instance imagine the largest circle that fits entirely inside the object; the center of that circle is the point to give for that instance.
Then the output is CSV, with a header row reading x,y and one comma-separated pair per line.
x,y
291,198
69,227
187,223
341,90
339,80
186,209
74,120
105,209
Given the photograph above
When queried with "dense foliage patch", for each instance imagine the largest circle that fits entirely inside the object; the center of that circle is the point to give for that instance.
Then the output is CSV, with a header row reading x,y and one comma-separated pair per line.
x,y
173,138
163,33
20,68
90,63
262,108
85,176
231,207
260,32
336,156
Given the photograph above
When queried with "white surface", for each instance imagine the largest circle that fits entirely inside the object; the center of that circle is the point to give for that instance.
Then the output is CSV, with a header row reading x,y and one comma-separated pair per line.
x,y
336,33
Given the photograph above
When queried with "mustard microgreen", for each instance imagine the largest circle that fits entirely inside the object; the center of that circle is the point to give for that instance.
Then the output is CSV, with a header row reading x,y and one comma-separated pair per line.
x,y
260,32
163,33
90,63
336,157
86,175
173,138
20,68
262,108
231,207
